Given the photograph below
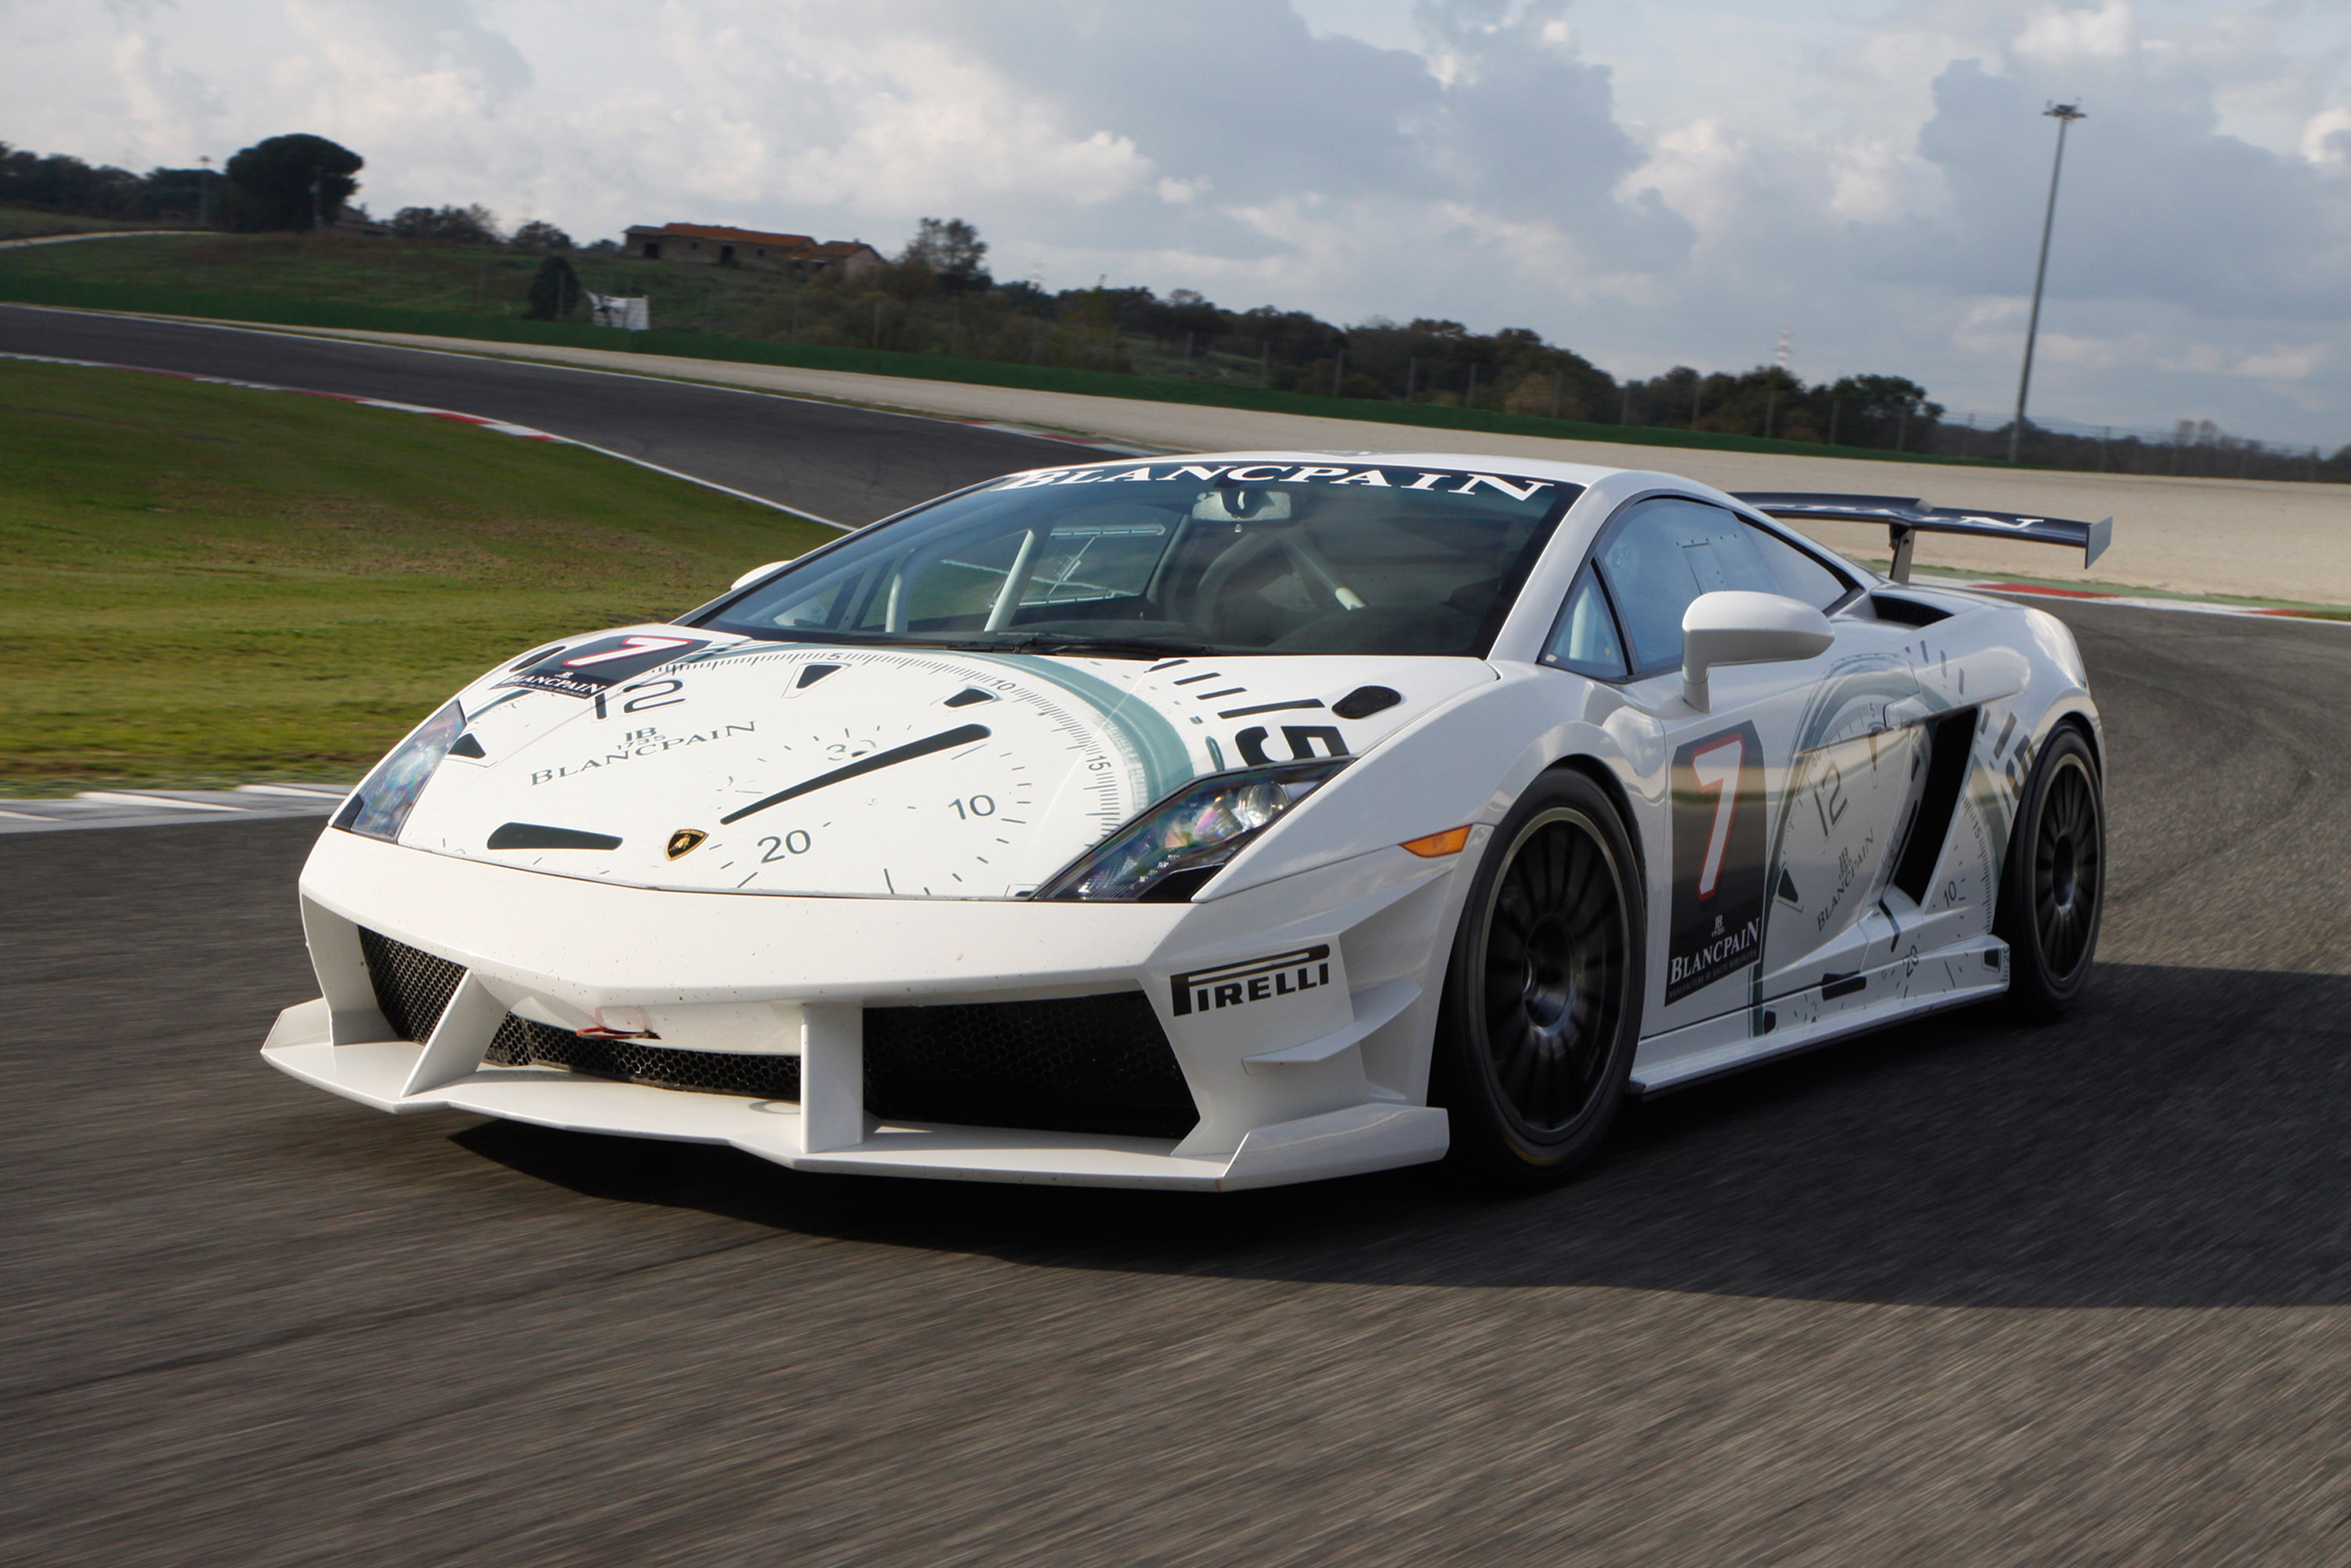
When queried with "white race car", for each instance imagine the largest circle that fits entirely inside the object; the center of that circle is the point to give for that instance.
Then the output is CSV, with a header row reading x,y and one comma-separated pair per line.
x,y
1219,821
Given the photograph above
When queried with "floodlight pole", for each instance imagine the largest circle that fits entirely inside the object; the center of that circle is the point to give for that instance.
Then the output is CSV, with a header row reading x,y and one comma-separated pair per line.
x,y
2065,114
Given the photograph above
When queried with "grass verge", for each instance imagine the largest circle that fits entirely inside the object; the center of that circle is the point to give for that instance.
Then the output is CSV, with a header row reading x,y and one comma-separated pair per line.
x,y
29,222
442,291
214,585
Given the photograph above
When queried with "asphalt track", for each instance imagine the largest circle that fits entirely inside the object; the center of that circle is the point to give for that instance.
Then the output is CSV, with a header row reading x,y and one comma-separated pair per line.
x,y
1966,1292
845,465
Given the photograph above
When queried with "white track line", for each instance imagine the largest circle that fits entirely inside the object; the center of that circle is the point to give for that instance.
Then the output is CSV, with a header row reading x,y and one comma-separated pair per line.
x,y
96,234
489,351
152,801
162,807
503,427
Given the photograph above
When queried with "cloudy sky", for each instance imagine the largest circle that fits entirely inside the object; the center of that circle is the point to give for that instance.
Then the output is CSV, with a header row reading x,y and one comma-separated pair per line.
x,y
1675,182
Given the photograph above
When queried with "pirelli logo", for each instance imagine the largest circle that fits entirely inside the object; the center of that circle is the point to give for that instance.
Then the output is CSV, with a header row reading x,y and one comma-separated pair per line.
x,y
1251,980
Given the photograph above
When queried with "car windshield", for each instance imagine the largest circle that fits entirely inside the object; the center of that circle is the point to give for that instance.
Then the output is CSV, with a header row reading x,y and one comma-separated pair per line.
x,y
1137,561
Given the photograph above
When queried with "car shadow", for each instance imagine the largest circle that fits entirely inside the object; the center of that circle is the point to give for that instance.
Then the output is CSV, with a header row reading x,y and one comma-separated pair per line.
x,y
2180,1141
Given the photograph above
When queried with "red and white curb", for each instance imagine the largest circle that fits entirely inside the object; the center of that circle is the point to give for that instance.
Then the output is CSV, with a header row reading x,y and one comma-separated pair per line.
x,y
480,422
1038,432
2132,602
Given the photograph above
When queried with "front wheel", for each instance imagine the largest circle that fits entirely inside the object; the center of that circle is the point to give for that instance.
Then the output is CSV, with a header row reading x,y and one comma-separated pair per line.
x,y
2054,885
1543,997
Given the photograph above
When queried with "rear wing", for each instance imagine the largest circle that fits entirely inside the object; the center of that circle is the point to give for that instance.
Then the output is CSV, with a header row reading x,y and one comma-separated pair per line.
x,y
1905,517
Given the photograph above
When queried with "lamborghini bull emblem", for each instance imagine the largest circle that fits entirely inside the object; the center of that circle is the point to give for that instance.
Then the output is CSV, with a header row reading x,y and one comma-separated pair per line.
x,y
685,842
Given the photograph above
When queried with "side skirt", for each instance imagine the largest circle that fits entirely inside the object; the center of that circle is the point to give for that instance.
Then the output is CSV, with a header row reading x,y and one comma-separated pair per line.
x,y
1840,1008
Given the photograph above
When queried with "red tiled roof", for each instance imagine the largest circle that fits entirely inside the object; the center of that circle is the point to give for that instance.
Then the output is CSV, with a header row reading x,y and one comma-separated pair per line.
x,y
739,236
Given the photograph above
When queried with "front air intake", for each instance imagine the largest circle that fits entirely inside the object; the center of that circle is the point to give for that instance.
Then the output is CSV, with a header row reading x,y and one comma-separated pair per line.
x,y
413,988
1084,1064
523,1042
1081,1064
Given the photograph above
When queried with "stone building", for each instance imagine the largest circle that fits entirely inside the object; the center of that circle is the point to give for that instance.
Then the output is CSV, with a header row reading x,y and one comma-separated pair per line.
x,y
714,245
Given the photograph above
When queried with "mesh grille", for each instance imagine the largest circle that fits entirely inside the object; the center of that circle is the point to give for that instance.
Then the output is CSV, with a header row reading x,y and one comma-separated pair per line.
x,y
1086,1064
1090,1065
412,988
522,1043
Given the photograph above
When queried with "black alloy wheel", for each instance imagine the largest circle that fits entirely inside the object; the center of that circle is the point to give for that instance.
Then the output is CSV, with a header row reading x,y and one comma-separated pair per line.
x,y
2053,887
1544,998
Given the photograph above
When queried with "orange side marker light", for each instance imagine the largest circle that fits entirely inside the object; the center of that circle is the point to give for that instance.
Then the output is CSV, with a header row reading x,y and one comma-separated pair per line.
x,y
1449,842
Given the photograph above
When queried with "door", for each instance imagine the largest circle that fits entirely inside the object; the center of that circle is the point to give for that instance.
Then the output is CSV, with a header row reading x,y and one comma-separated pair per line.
x,y
1785,796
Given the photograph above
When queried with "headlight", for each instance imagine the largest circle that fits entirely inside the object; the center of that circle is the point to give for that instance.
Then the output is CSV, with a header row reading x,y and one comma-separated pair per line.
x,y
1164,855
378,807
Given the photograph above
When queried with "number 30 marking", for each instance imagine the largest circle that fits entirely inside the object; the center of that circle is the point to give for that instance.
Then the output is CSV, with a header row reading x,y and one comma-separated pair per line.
x,y
1717,768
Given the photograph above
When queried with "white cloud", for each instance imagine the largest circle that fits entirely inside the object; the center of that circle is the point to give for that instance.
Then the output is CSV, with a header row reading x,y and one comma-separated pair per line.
x,y
1649,185
2062,35
2326,136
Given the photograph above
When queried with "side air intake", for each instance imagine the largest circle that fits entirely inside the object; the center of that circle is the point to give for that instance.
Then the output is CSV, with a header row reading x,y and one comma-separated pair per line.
x,y
1951,746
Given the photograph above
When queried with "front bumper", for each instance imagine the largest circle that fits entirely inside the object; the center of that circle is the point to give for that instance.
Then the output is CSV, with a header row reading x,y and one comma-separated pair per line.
x,y
1290,1086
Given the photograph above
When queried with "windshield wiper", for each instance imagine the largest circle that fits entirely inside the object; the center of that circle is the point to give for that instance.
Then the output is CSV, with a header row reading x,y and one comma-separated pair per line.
x,y
1107,647
1032,642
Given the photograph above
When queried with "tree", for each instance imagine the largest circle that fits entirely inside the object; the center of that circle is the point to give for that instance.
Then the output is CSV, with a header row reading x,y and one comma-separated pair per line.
x,y
298,181
64,183
177,194
554,289
476,225
540,235
952,251
1881,411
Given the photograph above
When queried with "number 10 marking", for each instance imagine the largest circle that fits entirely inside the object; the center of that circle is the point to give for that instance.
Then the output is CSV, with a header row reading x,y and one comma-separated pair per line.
x,y
1717,768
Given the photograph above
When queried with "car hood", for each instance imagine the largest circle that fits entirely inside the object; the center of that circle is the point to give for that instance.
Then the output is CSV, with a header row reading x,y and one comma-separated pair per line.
x,y
661,757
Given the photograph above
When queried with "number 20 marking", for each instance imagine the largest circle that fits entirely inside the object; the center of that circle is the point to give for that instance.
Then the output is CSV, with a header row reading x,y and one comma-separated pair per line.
x,y
1716,769
795,842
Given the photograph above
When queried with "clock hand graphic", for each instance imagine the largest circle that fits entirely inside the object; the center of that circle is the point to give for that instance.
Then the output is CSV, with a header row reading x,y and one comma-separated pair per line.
x,y
945,740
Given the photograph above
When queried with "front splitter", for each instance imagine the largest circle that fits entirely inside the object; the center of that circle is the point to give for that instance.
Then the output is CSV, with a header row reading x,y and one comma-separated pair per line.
x,y
1348,1142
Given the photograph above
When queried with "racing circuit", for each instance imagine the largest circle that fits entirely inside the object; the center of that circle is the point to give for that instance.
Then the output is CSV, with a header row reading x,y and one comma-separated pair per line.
x,y
1960,1292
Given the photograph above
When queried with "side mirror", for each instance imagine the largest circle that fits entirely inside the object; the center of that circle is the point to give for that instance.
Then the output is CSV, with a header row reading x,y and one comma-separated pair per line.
x,y
1734,627
755,574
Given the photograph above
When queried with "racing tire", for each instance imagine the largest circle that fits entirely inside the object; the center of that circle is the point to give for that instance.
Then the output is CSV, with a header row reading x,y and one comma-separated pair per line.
x,y
2053,888
1541,1008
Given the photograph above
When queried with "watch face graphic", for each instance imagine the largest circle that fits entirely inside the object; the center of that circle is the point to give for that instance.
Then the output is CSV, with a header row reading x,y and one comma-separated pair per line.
x,y
920,775
840,769
901,773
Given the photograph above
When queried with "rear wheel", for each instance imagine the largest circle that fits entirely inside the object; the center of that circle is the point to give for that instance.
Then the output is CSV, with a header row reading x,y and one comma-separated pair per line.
x,y
2054,885
1542,1000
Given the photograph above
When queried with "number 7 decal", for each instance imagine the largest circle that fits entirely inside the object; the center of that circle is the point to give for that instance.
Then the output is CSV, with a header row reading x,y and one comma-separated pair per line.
x,y
1716,768
630,648
587,669
1717,927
